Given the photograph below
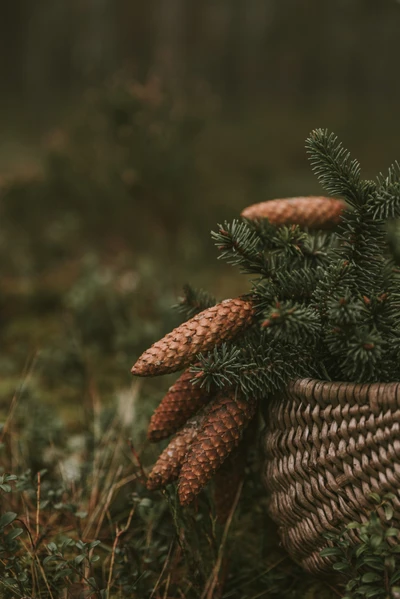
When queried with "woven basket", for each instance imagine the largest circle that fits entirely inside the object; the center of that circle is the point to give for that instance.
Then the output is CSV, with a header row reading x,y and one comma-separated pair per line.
x,y
328,446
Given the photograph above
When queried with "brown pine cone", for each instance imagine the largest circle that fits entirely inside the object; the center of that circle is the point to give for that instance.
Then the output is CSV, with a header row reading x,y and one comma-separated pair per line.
x,y
232,472
312,212
167,467
180,403
199,334
220,433
226,482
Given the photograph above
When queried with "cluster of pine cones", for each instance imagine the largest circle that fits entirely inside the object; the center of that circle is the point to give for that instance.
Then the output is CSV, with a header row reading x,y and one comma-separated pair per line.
x,y
208,428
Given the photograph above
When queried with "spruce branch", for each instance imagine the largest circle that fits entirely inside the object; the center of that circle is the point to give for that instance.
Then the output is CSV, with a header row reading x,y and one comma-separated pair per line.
x,y
194,301
316,249
218,368
345,310
360,355
241,246
362,242
297,285
336,170
260,367
328,279
293,322
289,241
385,203
264,230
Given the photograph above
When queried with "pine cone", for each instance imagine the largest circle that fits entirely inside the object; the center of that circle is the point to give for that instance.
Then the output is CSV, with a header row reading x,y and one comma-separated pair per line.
x,y
167,467
226,483
220,433
232,472
180,403
312,212
199,334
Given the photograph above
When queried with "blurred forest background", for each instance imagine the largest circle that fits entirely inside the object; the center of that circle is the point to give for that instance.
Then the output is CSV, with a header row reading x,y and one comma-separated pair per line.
x,y
129,129
251,77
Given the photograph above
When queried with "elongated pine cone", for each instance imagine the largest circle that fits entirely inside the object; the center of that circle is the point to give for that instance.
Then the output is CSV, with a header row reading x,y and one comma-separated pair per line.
x,y
227,480
220,433
181,401
199,334
167,467
312,212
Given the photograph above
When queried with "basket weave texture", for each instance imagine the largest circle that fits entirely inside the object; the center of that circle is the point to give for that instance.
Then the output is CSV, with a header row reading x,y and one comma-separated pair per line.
x,y
328,445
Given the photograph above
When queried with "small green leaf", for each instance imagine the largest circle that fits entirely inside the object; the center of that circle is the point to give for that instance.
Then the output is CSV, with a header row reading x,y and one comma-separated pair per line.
x,y
376,541
7,518
375,497
373,562
13,534
340,566
360,550
330,551
371,577
62,573
388,509
392,532
80,544
352,525
389,496
374,593
351,584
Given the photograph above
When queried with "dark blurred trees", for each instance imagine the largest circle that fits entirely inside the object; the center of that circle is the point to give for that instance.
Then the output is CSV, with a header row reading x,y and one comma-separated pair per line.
x,y
283,49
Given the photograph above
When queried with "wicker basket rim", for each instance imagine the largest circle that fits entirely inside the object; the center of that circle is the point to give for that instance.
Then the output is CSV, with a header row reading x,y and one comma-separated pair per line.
x,y
379,396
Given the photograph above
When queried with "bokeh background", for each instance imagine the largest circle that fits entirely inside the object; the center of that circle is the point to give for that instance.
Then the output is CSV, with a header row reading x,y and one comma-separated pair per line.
x,y
128,130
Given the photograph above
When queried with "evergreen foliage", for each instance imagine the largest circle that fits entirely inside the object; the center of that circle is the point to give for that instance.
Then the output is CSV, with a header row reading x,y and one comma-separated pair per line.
x,y
327,302
194,301
372,565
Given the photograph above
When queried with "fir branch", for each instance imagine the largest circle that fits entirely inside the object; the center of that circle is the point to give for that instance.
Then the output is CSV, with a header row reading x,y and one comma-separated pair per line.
x,y
297,285
345,310
218,368
194,301
336,171
316,248
241,246
385,203
362,243
292,322
289,241
259,368
264,229
359,355
338,272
